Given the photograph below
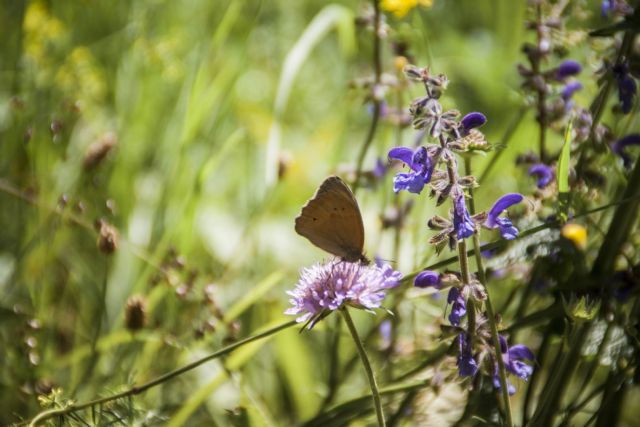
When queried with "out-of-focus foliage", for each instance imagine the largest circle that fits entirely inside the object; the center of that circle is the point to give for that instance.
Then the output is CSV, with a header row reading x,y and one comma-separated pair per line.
x,y
141,228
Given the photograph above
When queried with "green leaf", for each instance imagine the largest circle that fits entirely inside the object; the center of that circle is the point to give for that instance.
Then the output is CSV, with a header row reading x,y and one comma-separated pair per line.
x,y
563,161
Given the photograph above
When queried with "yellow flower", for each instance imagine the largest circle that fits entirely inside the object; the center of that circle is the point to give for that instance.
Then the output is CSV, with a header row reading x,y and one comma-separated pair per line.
x,y
401,7
577,234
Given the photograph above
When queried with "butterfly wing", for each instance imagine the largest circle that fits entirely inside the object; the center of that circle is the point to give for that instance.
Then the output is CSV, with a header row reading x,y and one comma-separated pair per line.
x,y
331,220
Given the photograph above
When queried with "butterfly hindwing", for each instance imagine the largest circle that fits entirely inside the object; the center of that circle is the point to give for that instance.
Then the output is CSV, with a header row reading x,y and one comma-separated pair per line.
x,y
331,220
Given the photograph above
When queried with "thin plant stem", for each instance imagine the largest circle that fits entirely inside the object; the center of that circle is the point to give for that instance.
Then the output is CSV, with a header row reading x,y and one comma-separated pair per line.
x,y
377,65
375,393
466,279
494,333
135,390
542,111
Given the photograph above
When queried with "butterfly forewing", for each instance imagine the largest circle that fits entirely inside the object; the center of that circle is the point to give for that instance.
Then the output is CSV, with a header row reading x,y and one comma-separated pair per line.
x,y
331,220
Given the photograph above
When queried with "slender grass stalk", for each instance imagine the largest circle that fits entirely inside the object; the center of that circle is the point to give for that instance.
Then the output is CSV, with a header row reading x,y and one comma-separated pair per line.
x,y
375,393
377,65
135,390
494,333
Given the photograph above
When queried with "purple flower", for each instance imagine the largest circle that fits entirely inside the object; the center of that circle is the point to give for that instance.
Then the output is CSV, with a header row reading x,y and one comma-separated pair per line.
x,y
543,172
569,89
513,362
380,169
421,169
327,287
426,279
507,230
605,8
386,330
472,120
567,68
619,146
459,307
462,223
626,87
467,365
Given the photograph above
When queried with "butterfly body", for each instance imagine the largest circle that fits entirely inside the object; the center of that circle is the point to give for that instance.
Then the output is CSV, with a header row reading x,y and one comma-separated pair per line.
x,y
331,220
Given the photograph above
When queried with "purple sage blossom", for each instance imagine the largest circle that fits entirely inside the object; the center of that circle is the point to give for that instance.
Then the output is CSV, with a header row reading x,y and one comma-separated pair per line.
x,y
471,121
569,89
426,279
568,68
507,229
380,169
619,146
459,307
327,287
513,358
467,365
543,172
462,223
421,169
626,87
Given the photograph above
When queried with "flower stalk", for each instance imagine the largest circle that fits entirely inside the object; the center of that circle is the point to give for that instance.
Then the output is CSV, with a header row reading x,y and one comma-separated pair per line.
x,y
504,389
375,392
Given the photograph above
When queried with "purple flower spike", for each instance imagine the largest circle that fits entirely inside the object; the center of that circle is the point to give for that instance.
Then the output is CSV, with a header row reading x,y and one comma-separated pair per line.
x,y
513,358
569,89
472,120
626,87
462,223
459,307
568,68
467,365
618,147
324,288
427,279
421,169
543,172
507,230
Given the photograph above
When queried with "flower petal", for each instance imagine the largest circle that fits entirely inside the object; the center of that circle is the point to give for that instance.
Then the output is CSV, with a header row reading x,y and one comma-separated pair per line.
x,y
427,278
404,154
473,120
500,205
568,68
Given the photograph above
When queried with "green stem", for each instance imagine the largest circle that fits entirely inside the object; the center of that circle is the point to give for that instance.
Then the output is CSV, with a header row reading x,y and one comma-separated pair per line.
x,y
135,390
466,279
494,333
375,393
377,64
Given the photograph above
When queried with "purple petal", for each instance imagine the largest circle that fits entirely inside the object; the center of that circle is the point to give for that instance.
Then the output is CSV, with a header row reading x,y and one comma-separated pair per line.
x,y
605,8
503,344
618,147
507,229
569,89
473,120
568,68
380,168
403,154
427,278
520,351
543,172
462,223
496,383
412,182
626,92
500,205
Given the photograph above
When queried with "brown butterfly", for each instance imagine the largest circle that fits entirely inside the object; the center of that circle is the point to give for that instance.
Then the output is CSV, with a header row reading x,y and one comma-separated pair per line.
x,y
331,220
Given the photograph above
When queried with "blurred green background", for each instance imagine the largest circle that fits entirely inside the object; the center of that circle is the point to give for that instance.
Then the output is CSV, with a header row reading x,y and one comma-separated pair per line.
x,y
170,121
